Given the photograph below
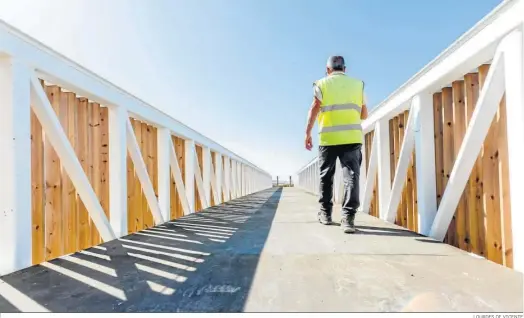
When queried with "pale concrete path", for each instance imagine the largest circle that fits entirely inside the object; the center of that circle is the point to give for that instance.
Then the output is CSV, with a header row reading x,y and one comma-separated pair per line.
x,y
265,252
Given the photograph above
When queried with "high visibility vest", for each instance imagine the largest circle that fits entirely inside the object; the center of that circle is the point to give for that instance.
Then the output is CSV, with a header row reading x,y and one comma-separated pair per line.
x,y
339,118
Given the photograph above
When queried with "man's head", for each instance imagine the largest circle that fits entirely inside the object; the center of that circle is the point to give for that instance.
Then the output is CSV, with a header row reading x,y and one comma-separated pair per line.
x,y
335,64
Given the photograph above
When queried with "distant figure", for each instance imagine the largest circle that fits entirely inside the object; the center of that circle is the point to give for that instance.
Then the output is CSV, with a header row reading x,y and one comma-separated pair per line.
x,y
340,104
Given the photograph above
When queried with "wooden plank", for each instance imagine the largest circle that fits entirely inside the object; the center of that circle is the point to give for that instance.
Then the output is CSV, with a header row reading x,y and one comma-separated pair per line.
x,y
213,167
415,202
181,155
448,153
53,193
408,191
474,185
172,191
96,145
437,121
69,191
505,204
491,199
131,195
104,160
154,158
198,203
37,191
403,197
459,131
396,151
138,206
67,185
146,212
223,176
84,232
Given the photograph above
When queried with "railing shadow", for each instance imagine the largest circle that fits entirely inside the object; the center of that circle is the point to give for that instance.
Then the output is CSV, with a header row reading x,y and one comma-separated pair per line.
x,y
204,262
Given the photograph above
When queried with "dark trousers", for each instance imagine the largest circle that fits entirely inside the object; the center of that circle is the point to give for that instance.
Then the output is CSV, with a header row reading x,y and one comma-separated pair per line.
x,y
350,157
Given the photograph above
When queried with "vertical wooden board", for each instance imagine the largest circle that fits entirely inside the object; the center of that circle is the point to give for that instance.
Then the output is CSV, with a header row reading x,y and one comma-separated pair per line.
x,y
437,121
396,153
175,199
180,152
491,199
104,160
96,146
198,203
69,117
505,206
213,167
53,193
402,119
459,130
67,186
138,195
154,153
144,149
407,193
37,191
223,176
414,183
392,165
475,223
448,153
84,232
131,196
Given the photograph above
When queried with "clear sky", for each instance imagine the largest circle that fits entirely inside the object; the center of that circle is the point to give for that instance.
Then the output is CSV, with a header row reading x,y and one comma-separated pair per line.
x,y
241,71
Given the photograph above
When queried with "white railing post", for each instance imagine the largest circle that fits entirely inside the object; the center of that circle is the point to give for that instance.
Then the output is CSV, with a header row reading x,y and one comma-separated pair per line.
x,y
425,162
190,158
164,172
363,177
219,174
206,176
383,168
118,169
514,78
15,166
370,178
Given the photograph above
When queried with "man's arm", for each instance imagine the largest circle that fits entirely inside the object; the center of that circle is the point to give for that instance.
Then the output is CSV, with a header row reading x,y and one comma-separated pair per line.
x,y
364,112
312,116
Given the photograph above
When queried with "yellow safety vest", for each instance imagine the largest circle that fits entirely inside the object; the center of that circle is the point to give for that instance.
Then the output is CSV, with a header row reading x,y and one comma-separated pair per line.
x,y
339,119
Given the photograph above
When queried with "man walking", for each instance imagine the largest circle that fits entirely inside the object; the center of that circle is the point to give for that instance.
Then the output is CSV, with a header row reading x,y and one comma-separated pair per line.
x,y
340,105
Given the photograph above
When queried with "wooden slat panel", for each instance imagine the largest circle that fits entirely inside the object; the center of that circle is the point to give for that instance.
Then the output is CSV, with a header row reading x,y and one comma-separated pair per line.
x,y
223,175
84,232
505,206
180,152
491,198
408,190
95,150
448,152
67,185
439,168
459,131
132,195
37,191
198,203
147,216
403,197
104,160
213,166
154,153
53,193
68,117
396,152
474,185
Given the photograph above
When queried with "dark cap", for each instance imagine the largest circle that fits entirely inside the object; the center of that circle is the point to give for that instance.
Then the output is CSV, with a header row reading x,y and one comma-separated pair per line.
x,y
336,62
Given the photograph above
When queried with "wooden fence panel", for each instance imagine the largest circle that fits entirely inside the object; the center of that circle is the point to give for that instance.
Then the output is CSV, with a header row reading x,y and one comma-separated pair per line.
x,y
84,237
198,203
37,191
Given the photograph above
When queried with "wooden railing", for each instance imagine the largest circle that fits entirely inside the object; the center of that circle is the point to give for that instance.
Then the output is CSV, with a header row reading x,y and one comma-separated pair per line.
x,y
443,154
84,162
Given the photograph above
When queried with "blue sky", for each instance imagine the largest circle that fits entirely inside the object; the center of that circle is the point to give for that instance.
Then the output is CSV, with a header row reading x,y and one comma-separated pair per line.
x,y
240,71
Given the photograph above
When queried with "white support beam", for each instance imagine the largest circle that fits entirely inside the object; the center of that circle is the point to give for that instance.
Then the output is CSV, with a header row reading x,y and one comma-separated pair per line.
x,y
143,175
219,174
164,145
401,171
514,79
15,166
370,176
179,181
383,168
58,139
118,118
200,183
227,179
190,157
489,99
425,162
207,172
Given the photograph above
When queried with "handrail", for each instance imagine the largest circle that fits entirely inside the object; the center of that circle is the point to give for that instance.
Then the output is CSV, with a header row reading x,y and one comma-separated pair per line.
x,y
35,53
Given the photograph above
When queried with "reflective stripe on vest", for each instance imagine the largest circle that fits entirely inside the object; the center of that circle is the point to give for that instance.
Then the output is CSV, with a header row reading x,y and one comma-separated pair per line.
x,y
339,117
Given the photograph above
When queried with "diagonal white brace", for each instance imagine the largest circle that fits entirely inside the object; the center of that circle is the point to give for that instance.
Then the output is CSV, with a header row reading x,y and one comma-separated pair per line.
x,y
476,132
54,131
143,176
403,162
179,182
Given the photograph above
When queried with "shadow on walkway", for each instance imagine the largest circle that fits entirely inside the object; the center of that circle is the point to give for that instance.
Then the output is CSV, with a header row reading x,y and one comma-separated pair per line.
x,y
204,262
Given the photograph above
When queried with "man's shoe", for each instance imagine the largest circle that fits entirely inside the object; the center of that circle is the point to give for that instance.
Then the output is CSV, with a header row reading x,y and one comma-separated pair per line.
x,y
348,224
324,218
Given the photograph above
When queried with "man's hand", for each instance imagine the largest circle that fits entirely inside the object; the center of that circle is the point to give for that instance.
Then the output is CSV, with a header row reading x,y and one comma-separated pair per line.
x,y
309,142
